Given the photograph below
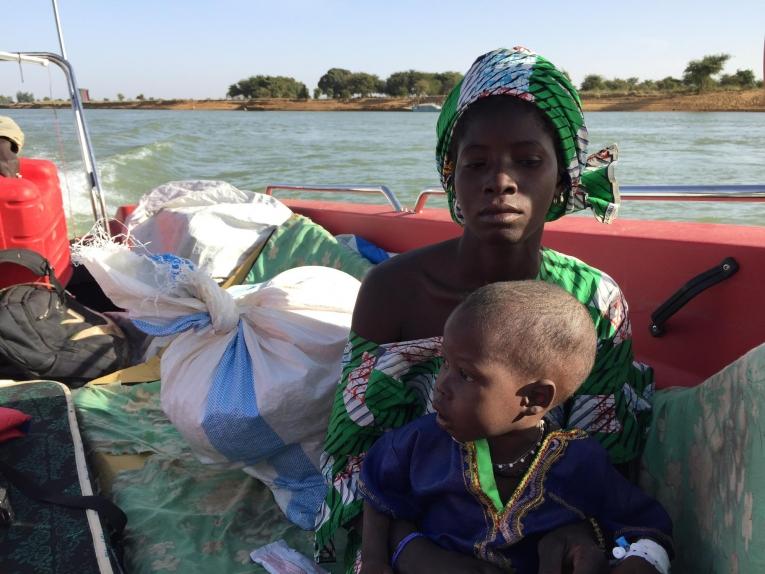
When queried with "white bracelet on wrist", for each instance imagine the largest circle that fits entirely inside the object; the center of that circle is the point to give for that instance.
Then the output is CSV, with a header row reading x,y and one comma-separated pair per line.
x,y
648,550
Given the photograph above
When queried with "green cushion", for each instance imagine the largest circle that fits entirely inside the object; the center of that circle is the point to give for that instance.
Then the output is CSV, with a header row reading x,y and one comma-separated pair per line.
x,y
183,516
705,461
298,242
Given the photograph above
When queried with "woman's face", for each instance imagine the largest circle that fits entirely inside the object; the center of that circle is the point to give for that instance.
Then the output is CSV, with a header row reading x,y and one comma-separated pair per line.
x,y
506,171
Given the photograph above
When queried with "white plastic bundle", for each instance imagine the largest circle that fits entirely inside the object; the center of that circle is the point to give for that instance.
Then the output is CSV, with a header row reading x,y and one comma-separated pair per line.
x,y
250,372
212,223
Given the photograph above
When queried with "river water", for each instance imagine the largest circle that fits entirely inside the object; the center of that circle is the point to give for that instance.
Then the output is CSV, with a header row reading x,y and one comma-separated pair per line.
x,y
137,150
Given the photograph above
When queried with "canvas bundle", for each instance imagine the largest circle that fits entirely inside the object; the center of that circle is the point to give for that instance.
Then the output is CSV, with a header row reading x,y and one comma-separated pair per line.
x,y
249,372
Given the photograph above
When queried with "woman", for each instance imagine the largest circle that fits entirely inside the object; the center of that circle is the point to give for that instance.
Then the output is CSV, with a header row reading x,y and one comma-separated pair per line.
x,y
511,153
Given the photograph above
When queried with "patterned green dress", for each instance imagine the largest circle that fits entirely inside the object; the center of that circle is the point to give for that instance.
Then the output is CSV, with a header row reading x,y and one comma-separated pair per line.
x,y
386,386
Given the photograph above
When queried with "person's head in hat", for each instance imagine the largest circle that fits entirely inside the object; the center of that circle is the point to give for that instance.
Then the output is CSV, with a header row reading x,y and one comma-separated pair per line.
x,y
11,142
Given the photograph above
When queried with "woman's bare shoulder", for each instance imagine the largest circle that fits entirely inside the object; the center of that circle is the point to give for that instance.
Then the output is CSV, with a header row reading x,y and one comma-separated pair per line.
x,y
390,293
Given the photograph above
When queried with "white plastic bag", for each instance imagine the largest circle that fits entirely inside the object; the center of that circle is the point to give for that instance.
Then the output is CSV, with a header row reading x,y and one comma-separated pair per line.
x,y
211,223
278,558
250,374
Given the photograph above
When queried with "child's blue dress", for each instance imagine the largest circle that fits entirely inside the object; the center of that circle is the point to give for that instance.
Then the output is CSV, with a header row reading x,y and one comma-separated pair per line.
x,y
419,473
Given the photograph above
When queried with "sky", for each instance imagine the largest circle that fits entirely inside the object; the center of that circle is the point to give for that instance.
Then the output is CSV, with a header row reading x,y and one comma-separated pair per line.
x,y
198,48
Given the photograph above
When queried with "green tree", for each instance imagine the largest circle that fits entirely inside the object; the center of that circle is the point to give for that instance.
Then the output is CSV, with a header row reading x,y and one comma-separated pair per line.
x,y
236,90
741,79
316,93
303,93
425,86
418,84
363,84
447,81
409,83
5,99
617,85
25,97
593,82
397,84
120,97
415,83
669,84
268,87
140,97
698,74
335,83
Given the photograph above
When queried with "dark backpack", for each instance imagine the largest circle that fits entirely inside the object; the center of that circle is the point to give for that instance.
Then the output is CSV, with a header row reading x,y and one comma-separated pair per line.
x,y
46,334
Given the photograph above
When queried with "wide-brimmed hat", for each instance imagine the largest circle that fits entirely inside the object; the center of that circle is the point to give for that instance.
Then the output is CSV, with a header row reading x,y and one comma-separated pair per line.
x,y
11,130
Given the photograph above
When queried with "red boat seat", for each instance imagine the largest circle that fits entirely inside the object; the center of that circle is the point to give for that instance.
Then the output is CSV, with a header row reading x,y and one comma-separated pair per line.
x,y
32,217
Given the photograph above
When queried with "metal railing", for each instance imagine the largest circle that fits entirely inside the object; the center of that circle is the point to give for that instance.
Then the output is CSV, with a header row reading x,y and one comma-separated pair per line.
x,y
726,193
97,201
747,193
367,189
422,198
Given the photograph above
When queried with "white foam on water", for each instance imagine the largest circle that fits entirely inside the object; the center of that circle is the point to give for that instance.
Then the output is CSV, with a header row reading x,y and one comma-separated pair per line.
x,y
75,187
140,153
75,192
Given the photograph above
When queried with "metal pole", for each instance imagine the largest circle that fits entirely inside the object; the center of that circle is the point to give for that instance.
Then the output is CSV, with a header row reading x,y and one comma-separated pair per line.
x,y
58,29
88,158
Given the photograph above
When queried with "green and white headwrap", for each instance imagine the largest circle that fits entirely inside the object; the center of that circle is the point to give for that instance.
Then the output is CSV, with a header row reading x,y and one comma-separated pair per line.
x,y
525,75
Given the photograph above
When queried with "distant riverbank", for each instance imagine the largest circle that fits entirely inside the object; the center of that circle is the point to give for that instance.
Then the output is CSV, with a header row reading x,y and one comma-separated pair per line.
x,y
722,101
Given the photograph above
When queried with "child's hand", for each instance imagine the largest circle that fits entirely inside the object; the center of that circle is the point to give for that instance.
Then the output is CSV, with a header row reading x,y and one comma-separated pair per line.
x,y
573,549
375,567
634,565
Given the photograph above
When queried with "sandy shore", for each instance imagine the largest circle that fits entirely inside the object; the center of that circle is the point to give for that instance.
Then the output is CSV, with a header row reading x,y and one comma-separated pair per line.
x,y
743,101
728,101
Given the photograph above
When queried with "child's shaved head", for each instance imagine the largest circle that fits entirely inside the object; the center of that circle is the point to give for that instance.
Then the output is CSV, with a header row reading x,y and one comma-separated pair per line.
x,y
536,328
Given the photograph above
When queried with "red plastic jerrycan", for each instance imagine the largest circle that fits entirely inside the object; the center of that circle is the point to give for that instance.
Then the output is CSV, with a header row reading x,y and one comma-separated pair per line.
x,y
32,217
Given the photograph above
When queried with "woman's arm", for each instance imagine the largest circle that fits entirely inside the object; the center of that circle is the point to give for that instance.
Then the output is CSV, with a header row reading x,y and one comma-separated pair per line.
x,y
617,509
370,398
633,565
423,556
571,549
376,312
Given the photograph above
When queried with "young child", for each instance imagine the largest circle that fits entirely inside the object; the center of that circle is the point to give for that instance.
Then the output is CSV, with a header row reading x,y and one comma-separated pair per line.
x,y
486,475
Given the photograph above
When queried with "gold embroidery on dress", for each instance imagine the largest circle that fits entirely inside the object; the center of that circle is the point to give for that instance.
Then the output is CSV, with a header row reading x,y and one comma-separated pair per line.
x,y
527,496
568,506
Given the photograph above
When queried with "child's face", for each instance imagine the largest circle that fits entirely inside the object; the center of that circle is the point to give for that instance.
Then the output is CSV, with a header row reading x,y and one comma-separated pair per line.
x,y
506,172
476,394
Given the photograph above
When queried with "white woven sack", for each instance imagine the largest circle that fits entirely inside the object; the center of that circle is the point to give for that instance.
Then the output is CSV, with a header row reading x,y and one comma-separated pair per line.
x,y
250,372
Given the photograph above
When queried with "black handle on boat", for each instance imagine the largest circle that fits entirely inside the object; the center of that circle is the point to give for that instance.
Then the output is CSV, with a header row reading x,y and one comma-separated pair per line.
x,y
700,283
